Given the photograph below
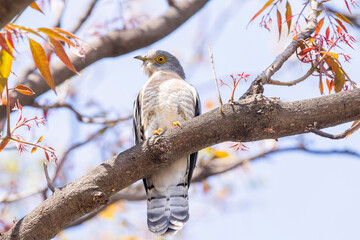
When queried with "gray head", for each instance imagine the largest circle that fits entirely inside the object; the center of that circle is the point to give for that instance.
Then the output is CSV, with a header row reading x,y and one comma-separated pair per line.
x,y
157,60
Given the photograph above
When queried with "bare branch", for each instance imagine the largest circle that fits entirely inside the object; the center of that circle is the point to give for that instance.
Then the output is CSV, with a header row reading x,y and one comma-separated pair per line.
x,y
294,82
85,15
82,118
336,136
215,78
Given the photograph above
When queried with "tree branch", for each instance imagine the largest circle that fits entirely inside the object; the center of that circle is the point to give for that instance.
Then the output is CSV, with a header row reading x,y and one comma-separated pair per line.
x,y
114,44
244,120
10,8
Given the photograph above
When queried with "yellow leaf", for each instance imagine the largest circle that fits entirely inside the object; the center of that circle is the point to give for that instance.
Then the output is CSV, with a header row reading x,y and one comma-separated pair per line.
x,y
339,80
288,16
279,21
40,139
221,154
5,67
342,17
33,150
42,62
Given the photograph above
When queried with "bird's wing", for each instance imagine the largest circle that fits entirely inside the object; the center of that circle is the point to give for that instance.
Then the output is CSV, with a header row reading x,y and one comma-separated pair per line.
x,y
138,130
193,156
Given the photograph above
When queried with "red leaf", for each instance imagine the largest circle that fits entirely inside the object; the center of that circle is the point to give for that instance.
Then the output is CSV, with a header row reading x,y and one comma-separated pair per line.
x,y
5,45
24,90
347,5
279,21
327,33
42,63
321,87
60,52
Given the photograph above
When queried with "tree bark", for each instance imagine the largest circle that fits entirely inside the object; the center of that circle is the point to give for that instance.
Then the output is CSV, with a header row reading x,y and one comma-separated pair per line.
x,y
9,9
114,44
245,120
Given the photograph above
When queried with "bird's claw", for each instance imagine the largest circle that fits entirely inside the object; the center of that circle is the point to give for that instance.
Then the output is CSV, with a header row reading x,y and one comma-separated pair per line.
x,y
157,132
177,123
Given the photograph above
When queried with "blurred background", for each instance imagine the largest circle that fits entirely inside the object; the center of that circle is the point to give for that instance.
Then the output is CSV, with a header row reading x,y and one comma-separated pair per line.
x,y
306,188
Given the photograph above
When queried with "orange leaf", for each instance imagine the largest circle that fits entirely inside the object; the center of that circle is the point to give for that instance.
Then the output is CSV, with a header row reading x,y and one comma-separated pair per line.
x,y
354,123
288,15
40,139
25,29
319,25
56,35
279,21
60,52
341,24
262,9
339,80
42,63
36,7
3,145
321,87
342,17
24,90
33,150
332,63
66,33
4,45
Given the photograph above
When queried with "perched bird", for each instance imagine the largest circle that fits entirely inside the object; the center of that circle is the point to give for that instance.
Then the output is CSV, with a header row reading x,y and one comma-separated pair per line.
x,y
165,101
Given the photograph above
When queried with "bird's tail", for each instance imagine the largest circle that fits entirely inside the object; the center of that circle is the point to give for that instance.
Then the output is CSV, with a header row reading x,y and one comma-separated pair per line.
x,y
167,209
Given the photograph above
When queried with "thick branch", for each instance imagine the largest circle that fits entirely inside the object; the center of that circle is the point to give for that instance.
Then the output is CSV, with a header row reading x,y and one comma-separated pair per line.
x,y
244,120
114,44
10,8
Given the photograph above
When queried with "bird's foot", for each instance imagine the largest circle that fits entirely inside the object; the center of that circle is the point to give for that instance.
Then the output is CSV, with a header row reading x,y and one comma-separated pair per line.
x,y
177,123
157,132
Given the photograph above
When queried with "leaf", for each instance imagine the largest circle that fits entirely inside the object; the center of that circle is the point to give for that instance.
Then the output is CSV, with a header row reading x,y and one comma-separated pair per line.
x,y
339,80
36,7
332,63
341,24
4,45
26,29
66,33
262,9
39,140
327,33
3,144
24,90
347,5
42,63
288,15
221,154
9,38
319,26
279,21
5,68
47,156
321,87
51,33
342,17
354,130
33,150
60,52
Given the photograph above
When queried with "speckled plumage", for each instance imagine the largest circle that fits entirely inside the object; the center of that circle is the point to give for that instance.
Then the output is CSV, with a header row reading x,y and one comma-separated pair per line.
x,y
166,98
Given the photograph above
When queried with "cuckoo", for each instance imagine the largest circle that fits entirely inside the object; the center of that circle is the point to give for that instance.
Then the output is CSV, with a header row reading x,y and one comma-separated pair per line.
x,y
165,101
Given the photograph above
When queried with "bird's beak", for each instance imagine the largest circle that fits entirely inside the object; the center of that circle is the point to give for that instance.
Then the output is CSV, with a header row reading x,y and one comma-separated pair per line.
x,y
142,58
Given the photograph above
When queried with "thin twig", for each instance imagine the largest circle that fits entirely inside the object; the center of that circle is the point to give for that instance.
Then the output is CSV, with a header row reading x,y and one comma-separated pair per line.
x,y
335,136
49,183
215,78
85,15
80,117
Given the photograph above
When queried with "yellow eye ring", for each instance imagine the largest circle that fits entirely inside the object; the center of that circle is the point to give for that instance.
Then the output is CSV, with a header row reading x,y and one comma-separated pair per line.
x,y
160,59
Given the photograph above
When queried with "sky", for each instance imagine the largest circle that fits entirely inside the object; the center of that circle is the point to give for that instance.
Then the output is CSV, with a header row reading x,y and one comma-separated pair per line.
x,y
291,195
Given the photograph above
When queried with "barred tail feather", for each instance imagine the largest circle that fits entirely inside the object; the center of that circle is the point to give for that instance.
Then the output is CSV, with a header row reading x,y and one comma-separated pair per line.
x,y
167,210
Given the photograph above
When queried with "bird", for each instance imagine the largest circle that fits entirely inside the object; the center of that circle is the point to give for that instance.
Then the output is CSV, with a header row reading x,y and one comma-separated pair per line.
x,y
165,101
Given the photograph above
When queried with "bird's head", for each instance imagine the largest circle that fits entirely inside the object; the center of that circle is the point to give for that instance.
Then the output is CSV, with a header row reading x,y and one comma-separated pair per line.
x,y
159,60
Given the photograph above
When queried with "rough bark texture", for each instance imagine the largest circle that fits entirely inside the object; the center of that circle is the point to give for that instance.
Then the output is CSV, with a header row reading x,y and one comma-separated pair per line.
x,y
114,44
9,9
245,120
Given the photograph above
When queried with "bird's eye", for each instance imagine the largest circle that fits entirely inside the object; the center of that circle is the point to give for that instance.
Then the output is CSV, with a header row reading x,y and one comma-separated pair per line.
x,y
160,59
